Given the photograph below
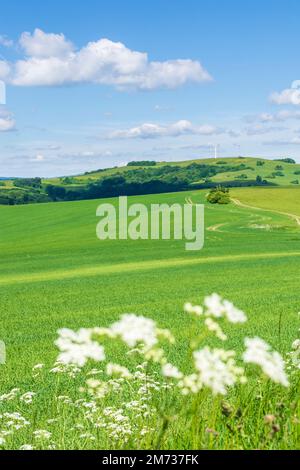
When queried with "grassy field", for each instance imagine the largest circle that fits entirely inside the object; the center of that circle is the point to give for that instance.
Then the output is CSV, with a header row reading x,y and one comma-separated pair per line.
x,y
266,171
55,273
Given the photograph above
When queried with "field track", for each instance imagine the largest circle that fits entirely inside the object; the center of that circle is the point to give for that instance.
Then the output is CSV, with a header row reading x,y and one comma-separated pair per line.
x,y
295,217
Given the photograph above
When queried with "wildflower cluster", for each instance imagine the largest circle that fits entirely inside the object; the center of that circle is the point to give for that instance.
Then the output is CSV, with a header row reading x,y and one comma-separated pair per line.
x,y
123,404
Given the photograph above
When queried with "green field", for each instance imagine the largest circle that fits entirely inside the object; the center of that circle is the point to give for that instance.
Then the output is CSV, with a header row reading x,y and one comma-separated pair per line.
x,y
269,167
55,273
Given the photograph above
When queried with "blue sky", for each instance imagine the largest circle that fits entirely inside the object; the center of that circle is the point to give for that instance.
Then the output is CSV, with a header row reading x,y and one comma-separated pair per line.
x,y
94,84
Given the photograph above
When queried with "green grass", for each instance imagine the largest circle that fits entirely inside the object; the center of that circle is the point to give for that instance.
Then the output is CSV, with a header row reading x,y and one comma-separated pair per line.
x,y
55,273
268,168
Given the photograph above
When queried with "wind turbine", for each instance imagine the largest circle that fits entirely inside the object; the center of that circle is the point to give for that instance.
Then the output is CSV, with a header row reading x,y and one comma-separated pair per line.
x,y
216,148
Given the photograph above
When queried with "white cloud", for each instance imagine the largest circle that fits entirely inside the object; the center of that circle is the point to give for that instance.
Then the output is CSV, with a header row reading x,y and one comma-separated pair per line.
x,y
5,41
43,45
52,60
7,122
287,142
260,129
289,95
280,116
151,131
4,70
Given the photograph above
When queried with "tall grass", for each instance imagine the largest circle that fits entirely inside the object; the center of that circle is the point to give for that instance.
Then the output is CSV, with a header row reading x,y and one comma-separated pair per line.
x,y
225,401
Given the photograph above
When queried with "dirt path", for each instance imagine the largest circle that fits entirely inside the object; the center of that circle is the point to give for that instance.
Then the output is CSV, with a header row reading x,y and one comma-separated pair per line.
x,y
215,228
212,228
295,217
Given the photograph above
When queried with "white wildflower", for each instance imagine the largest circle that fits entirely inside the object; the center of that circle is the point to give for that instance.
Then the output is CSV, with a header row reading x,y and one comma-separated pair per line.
x,y
134,330
38,366
215,328
26,447
193,309
69,369
170,371
190,384
233,314
163,333
294,355
42,434
117,370
214,306
220,308
217,369
27,397
259,352
10,395
78,347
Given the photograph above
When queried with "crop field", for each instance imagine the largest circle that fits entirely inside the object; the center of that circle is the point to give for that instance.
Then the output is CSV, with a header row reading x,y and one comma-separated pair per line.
x,y
55,273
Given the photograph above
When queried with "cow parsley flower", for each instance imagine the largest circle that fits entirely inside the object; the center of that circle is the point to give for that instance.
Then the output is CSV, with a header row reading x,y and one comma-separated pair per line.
x,y
10,395
171,372
26,447
78,347
221,308
217,369
196,310
133,330
42,434
117,370
27,397
259,352
215,328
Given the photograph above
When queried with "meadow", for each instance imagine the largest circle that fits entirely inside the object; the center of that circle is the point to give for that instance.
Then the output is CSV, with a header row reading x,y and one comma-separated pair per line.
x,y
55,273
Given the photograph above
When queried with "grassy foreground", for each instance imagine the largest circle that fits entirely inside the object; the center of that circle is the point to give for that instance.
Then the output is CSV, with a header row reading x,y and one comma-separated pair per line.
x,y
54,273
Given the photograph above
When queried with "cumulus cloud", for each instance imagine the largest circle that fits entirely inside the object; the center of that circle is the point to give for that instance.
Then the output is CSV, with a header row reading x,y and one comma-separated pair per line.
x,y
43,45
5,41
7,122
151,131
52,60
289,95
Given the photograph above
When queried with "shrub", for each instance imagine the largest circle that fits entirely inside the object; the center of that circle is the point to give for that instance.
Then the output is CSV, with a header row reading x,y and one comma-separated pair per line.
x,y
219,195
285,160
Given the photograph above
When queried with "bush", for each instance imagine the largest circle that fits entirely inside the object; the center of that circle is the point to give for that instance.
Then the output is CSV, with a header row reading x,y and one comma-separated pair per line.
x,y
285,160
218,195
142,163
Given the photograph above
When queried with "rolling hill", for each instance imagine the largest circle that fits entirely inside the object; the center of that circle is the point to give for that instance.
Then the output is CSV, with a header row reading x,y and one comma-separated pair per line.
x,y
151,178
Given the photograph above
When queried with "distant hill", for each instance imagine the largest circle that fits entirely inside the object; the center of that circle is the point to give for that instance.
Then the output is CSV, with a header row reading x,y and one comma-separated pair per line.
x,y
151,177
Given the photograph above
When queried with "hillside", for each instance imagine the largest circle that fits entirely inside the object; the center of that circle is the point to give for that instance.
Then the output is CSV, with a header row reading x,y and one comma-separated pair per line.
x,y
151,178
